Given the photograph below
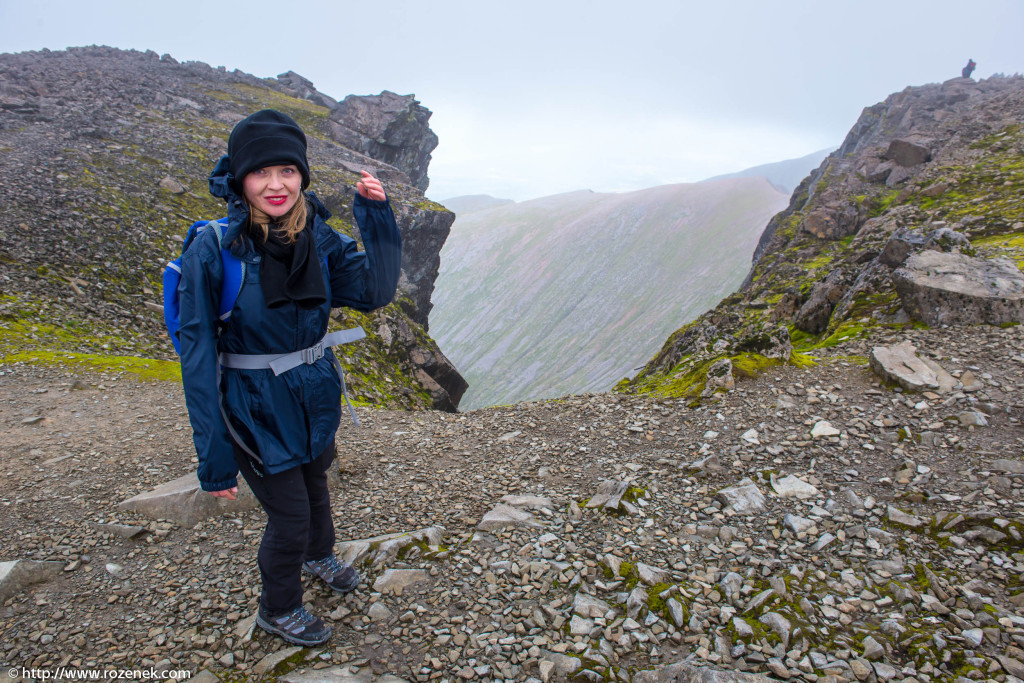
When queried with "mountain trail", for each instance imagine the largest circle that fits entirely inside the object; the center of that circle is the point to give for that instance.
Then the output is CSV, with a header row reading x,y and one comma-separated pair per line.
x,y
888,547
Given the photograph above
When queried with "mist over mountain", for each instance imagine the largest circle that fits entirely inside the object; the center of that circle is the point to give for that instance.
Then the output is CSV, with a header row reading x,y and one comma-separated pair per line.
x,y
570,293
784,175
473,202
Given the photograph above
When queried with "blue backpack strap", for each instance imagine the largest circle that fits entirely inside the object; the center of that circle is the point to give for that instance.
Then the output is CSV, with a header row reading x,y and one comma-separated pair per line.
x,y
172,308
172,277
234,273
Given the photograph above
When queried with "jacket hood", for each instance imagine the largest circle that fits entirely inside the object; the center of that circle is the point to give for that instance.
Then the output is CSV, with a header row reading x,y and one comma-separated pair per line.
x,y
222,185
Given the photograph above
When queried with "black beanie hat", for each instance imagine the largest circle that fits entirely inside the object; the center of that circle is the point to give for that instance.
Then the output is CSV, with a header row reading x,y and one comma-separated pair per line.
x,y
266,138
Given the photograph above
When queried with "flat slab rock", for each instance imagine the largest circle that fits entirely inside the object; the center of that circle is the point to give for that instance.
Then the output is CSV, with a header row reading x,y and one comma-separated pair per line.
x,y
901,365
609,495
744,498
1008,466
184,502
338,674
18,575
534,502
507,517
941,288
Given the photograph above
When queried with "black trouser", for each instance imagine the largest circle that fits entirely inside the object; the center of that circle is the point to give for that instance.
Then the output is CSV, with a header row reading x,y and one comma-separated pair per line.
x,y
299,526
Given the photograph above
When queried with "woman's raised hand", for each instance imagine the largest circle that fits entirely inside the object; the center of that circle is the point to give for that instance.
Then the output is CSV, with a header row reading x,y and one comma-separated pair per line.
x,y
370,188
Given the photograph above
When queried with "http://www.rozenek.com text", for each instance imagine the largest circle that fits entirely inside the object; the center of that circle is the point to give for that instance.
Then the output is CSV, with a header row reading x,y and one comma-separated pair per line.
x,y
63,673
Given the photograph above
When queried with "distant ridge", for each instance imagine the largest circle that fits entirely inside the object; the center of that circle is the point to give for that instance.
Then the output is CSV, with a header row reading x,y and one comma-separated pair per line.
x,y
784,175
473,202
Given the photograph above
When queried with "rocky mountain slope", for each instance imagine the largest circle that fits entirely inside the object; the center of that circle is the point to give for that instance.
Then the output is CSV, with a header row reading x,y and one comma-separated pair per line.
x,y
922,196
107,152
571,293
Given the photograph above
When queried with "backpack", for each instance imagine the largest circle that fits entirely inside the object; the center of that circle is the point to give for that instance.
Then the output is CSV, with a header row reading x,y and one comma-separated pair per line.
x,y
234,276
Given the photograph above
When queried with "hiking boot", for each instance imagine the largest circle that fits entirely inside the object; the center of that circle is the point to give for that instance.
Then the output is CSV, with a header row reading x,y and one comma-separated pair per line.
x,y
298,626
341,577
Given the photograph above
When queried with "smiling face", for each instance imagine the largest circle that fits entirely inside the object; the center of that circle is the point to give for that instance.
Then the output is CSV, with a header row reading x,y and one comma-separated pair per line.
x,y
273,189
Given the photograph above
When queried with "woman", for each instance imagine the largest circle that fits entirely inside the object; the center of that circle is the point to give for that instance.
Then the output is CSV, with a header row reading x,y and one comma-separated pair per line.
x,y
278,426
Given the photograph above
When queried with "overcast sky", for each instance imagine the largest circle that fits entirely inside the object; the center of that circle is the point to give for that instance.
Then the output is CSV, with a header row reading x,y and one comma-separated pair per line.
x,y
535,98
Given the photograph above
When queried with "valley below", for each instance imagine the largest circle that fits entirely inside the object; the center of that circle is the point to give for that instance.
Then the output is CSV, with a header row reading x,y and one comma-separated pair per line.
x,y
572,293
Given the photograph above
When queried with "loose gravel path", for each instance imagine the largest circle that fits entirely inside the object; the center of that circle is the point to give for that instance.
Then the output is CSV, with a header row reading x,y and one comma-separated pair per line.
x,y
894,553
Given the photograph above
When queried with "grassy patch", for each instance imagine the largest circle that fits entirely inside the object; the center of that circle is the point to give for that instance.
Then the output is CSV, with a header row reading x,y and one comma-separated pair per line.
x,y
143,368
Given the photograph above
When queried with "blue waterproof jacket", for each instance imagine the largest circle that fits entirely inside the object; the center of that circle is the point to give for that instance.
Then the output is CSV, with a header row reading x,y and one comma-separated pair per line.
x,y
291,418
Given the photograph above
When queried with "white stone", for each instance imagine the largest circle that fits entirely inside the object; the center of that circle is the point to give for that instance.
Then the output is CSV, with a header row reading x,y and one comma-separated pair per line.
x,y
578,626
589,607
651,575
822,429
397,580
872,649
378,612
507,517
899,517
792,486
533,502
972,418
797,524
823,542
901,364
974,636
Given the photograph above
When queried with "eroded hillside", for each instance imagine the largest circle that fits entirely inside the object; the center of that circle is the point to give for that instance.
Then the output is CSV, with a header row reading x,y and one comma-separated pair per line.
x,y
573,292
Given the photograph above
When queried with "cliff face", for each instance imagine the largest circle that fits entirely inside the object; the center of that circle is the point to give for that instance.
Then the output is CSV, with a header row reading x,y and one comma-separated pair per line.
x,y
933,168
110,151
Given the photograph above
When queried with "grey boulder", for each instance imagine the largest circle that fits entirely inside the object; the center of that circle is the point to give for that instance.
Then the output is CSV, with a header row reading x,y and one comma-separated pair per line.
x,y
901,365
941,288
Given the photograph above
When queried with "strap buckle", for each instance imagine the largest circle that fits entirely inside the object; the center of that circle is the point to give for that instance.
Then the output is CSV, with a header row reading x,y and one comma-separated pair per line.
x,y
313,353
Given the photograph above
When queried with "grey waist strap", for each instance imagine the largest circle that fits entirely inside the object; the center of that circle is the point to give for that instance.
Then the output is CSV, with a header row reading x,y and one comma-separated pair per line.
x,y
283,362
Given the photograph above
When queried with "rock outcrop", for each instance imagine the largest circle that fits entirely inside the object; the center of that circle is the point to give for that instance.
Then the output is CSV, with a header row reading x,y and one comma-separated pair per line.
x,y
389,127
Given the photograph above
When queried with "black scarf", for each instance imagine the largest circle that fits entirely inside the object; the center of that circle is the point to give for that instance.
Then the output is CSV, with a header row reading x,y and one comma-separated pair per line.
x,y
291,272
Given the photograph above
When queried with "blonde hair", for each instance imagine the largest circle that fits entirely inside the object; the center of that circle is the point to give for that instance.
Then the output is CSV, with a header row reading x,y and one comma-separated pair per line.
x,y
288,226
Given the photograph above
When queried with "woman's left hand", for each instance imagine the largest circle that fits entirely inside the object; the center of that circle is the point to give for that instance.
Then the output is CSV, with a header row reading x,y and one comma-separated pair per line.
x,y
370,188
